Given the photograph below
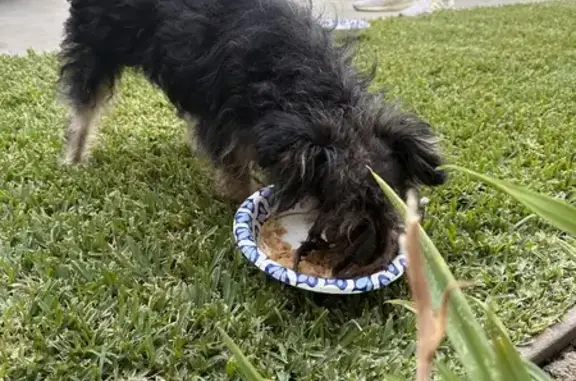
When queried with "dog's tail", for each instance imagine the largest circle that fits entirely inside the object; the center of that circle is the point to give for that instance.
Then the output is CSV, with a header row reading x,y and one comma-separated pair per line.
x,y
99,38
85,70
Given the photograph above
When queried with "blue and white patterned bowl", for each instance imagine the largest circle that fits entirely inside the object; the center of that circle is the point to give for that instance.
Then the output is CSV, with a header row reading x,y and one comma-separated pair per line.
x,y
248,222
344,24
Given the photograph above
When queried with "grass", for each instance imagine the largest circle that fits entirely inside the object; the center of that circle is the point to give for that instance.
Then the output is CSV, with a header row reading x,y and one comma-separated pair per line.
x,y
126,267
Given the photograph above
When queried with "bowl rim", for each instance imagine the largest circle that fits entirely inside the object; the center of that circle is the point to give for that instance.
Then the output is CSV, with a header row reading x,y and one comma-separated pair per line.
x,y
247,222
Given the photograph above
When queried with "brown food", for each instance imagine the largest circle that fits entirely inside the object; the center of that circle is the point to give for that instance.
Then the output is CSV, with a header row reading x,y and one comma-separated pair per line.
x,y
317,263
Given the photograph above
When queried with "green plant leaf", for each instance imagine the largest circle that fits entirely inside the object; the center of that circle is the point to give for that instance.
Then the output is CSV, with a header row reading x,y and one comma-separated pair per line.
x,y
557,212
464,332
445,373
508,368
536,373
510,363
246,368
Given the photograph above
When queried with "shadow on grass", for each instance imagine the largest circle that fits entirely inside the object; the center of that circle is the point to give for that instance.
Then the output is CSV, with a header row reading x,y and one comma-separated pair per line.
x,y
155,169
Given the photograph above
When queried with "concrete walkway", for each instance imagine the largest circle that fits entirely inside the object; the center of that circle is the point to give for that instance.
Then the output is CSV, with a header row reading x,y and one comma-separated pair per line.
x,y
37,24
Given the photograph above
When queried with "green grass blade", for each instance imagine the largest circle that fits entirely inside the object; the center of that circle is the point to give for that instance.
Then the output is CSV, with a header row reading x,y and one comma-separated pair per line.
x,y
248,371
569,249
557,212
389,377
404,303
464,331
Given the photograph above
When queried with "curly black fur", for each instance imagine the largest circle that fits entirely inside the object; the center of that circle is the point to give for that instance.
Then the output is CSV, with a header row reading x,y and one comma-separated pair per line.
x,y
268,85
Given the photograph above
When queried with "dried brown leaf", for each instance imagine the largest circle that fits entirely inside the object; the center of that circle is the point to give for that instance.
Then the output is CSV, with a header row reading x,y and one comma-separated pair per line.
x,y
431,327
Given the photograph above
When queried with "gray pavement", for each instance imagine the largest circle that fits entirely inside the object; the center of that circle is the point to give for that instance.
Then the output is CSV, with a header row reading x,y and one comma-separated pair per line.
x,y
37,24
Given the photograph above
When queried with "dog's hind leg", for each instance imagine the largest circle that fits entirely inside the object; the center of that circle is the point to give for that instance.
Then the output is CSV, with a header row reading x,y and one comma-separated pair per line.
x,y
80,129
87,81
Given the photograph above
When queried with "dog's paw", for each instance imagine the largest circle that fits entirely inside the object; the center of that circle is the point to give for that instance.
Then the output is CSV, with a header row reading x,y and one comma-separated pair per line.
x,y
71,159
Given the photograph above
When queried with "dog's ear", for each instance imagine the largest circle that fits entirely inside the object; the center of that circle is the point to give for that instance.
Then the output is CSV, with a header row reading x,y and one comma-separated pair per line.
x,y
295,155
415,146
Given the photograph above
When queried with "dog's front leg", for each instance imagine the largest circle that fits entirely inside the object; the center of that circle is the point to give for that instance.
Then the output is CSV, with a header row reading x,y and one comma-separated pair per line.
x,y
234,179
234,183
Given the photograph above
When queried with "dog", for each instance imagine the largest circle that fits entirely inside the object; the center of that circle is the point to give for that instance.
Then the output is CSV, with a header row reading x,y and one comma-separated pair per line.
x,y
259,82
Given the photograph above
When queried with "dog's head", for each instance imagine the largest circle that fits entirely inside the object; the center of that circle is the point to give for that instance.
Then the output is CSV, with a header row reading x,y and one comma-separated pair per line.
x,y
326,157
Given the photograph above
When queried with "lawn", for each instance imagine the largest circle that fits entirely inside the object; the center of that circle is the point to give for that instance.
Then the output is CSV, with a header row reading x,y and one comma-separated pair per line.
x,y
126,266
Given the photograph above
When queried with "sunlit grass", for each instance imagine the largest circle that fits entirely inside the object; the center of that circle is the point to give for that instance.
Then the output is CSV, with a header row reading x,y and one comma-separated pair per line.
x,y
126,266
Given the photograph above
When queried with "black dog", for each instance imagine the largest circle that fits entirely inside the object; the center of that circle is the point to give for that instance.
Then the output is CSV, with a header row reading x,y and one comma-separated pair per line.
x,y
266,84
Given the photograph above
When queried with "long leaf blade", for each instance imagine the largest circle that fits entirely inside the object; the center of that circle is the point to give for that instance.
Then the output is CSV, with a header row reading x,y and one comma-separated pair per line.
x,y
465,333
512,365
557,212
507,366
445,373
536,373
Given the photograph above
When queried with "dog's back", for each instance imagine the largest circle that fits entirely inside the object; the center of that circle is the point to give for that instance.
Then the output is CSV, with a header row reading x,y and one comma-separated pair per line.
x,y
194,47
225,61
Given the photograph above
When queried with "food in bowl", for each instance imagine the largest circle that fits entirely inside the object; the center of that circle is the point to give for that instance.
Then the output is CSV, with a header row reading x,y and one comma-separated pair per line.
x,y
317,263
